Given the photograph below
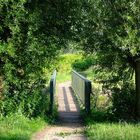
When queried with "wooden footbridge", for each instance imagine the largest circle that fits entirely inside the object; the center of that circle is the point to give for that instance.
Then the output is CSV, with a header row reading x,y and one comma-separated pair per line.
x,y
69,97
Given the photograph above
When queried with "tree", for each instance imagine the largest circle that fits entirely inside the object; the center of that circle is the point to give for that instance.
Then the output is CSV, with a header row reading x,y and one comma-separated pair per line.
x,y
112,33
31,34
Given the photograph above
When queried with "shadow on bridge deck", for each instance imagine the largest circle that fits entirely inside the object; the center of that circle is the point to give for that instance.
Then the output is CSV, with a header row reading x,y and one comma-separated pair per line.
x,y
68,108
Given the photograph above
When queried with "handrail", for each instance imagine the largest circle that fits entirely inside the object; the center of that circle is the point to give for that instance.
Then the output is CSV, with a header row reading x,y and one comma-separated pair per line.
x,y
52,90
82,87
81,76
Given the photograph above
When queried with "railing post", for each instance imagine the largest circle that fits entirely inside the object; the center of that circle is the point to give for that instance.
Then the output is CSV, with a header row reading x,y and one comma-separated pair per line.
x,y
52,91
87,96
51,97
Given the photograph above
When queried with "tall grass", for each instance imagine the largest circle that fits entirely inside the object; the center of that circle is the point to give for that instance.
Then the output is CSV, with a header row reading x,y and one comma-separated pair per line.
x,y
113,131
18,127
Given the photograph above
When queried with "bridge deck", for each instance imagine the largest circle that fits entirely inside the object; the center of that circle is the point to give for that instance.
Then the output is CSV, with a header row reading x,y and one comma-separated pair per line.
x,y
68,108
69,126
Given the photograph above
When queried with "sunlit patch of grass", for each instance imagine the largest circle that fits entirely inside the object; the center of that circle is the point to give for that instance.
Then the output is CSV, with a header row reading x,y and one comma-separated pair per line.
x,y
113,131
64,67
63,77
66,61
18,127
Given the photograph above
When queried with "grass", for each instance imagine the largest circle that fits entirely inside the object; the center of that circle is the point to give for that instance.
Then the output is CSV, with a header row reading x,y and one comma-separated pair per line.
x,y
63,77
64,66
18,127
113,131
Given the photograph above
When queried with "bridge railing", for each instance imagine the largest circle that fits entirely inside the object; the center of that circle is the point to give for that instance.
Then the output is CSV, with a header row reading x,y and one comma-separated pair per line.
x,y
82,88
52,90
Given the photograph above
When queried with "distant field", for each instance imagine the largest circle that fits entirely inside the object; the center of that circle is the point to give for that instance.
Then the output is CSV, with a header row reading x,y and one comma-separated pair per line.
x,y
64,66
63,77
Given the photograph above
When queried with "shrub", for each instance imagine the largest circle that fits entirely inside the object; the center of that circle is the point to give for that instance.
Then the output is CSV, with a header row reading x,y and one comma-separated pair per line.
x,y
31,101
118,105
66,61
82,64
124,101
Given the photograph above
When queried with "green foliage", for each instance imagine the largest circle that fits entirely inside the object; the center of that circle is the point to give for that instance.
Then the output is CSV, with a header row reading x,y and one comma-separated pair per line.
x,y
66,61
111,34
31,34
124,101
22,58
82,64
64,66
34,104
112,26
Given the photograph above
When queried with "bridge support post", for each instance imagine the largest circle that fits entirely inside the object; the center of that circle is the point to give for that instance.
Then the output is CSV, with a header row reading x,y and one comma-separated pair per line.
x,y
51,97
52,91
87,96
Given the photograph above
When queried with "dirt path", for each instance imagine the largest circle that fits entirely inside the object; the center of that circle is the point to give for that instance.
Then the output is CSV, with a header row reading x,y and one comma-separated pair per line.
x,y
69,126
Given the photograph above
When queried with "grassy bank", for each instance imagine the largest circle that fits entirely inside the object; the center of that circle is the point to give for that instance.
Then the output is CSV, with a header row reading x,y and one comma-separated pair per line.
x,y
18,127
113,131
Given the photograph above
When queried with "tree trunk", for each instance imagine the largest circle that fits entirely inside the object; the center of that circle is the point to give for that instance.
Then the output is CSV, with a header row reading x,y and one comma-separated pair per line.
x,y
137,70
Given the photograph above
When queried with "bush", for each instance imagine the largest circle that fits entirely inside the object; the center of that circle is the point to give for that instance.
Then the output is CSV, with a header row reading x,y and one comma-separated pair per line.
x,y
31,102
119,104
66,61
124,101
82,64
